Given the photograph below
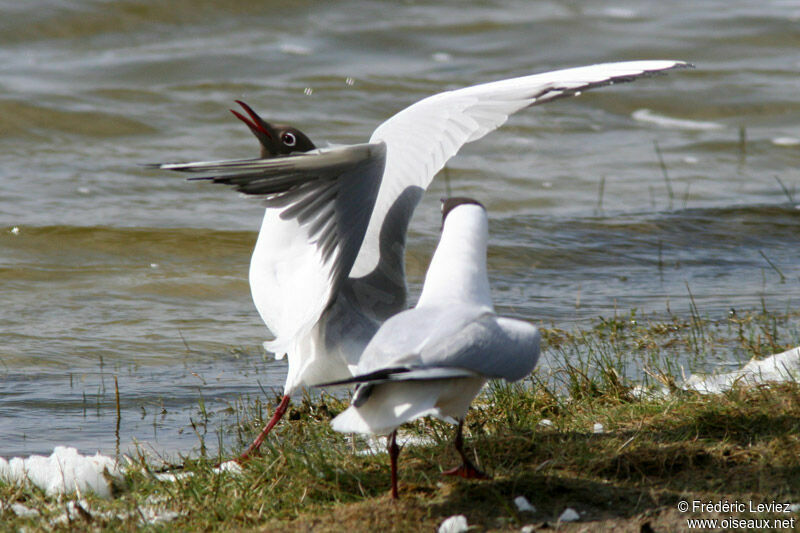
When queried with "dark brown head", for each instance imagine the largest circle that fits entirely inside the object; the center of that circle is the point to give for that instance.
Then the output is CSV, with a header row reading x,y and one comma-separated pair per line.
x,y
275,139
448,204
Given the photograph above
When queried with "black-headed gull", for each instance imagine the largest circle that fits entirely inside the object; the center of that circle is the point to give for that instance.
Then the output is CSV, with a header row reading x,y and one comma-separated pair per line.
x,y
432,360
328,265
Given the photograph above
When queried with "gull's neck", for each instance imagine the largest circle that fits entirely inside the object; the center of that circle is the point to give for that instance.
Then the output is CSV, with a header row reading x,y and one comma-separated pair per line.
x,y
457,274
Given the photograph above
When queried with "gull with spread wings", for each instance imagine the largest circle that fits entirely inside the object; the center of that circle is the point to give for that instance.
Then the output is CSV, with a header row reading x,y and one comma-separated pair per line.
x,y
328,265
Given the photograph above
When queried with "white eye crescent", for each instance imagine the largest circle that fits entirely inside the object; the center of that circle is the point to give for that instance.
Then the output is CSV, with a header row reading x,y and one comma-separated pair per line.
x,y
289,139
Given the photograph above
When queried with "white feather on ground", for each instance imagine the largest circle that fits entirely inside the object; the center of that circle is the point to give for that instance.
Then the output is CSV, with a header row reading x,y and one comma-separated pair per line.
x,y
454,524
523,505
66,471
779,368
63,472
569,515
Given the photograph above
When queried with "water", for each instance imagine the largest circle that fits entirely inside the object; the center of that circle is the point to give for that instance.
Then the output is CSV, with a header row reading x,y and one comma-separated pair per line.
x,y
111,270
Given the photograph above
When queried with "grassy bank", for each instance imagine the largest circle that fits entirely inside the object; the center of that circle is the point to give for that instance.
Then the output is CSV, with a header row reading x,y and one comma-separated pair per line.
x,y
540,439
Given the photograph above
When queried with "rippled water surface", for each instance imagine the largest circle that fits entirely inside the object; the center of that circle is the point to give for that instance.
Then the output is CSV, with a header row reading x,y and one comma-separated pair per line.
x,y
112,271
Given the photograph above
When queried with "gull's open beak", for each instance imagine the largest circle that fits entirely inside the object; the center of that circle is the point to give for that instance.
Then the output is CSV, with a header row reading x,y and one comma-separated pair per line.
x,y
262,129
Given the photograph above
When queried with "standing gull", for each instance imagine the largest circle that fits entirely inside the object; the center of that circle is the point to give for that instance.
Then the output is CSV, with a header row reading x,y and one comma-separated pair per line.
x,y
328,266
433,359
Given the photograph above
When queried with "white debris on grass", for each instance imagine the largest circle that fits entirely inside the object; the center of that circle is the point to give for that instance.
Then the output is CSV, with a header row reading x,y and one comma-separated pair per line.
x,y
172,477
454,524
152,515
523,505
528,529
79,510
649,393
66,471
229,467
22,511
377,445
778,368
63,472
569,515
598,428
645,115
76,511
545,423
15,230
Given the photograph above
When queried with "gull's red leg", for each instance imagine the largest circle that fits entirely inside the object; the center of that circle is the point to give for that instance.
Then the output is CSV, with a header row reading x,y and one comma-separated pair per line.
x,y
279,412
466,469
394,452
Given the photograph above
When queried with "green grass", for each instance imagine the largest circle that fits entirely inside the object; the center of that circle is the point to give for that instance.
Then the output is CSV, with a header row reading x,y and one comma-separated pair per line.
x,y
656,450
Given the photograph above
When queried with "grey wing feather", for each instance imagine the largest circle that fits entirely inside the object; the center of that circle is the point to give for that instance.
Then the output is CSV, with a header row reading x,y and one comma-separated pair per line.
x,y
401,340
470,339
331,192
490,346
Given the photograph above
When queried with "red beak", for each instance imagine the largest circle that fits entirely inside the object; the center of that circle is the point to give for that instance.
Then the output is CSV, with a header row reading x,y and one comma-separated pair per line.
x,y
255,123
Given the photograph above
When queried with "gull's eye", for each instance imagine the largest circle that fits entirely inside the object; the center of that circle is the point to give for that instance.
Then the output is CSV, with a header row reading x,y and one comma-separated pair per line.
x,y
289,139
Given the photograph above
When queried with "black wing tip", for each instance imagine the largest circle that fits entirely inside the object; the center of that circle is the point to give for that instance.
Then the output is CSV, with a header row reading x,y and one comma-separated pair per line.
x,y
646,73
677,65
378,375
556,92
339,383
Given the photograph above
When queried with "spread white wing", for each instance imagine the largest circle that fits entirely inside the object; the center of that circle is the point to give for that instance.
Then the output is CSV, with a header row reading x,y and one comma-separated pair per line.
x,y
318,204
423,137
